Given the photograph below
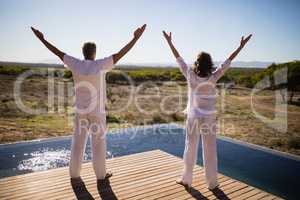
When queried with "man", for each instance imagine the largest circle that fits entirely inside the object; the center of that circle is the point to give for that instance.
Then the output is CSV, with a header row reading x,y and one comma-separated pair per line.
x,y
90,95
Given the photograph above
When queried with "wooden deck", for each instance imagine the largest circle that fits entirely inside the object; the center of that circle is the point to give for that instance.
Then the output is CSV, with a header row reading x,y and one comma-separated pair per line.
x,y
148,175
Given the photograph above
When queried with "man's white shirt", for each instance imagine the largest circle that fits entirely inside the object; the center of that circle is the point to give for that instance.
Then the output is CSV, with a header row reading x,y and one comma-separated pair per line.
x,y
89,82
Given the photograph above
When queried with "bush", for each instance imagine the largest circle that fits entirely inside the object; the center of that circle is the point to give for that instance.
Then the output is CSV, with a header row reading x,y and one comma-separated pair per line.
x,y
294,143
177,117
157,119
9,70
246,81
275,142
112,119
293,77
67,74
116,77
145,74
241,76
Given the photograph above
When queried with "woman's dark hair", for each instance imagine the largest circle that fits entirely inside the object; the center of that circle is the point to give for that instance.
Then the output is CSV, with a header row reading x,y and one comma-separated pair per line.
x,y
203,66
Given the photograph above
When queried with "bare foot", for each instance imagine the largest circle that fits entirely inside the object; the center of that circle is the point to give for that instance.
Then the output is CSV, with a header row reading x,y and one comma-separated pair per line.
x,y
214,188
185,185
76,180
107,176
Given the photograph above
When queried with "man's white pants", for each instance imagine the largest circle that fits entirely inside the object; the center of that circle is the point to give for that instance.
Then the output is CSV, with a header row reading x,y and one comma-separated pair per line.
x,y
207,128
85,125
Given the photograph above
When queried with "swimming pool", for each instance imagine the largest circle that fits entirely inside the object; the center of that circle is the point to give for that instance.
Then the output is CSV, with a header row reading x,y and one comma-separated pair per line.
x,y
273,172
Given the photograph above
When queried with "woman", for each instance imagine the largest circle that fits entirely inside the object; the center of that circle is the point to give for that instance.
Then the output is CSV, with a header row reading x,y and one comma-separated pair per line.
x,y
201,112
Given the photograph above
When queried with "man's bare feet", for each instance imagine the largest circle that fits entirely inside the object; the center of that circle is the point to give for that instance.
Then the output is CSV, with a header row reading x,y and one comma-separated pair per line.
x,y
76,180
107,176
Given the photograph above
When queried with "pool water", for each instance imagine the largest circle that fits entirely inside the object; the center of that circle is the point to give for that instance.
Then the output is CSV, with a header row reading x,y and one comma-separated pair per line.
x,y
272,172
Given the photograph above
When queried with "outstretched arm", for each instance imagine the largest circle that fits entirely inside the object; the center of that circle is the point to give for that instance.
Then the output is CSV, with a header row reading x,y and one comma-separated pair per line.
x,y
221,70
242,44
137,34
183,66
52,48
169,40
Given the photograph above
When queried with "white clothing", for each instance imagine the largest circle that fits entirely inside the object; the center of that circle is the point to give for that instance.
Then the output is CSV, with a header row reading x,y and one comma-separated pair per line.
x,y
90,99
95,125
201,91
89,82
201,114
209,151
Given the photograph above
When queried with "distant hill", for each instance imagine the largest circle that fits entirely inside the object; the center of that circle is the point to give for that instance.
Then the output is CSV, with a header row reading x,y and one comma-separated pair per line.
x,y
252,64
256,64
21,64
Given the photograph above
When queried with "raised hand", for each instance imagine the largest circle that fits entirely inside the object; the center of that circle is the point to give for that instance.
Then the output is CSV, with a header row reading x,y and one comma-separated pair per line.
x,y
168,37
138,32
244,41
169,40
37,33
51,47
242,44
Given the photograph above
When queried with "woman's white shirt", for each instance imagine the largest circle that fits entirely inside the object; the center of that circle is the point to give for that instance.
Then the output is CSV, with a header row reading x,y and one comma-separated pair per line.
x,y
201,90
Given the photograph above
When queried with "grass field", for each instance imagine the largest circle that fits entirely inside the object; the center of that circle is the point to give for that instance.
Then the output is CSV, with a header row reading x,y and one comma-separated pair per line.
x,y
236,118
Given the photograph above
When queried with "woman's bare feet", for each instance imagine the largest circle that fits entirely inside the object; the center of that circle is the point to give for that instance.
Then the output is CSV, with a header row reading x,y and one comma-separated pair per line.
x,y
214,187
185,185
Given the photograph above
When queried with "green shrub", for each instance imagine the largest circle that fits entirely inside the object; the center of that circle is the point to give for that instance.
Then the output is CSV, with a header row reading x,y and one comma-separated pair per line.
x,y
67,74
116,77
293,77
177,117
294,143
10,70
145,74
276,142
157,119
112,119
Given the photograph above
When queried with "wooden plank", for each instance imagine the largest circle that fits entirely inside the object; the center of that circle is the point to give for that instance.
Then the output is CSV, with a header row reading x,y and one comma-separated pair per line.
x,y
59,171
147,175
52,185
249,194
269,198
258,196
180,193
136,181
89,174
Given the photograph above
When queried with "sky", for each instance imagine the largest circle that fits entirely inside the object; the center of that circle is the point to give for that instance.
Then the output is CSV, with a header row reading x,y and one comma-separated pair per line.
x,y
214,26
